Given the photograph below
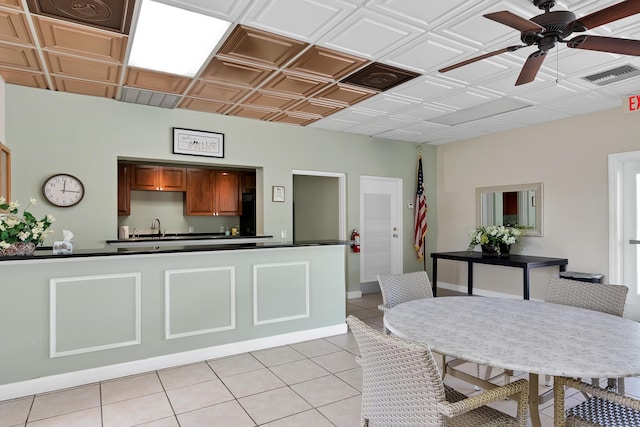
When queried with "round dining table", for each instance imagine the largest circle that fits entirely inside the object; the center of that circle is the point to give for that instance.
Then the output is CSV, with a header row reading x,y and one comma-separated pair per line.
x,y
522,335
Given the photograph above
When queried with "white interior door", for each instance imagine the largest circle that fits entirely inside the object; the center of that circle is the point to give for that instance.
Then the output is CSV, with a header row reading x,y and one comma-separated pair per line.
x,y
381,227
624,229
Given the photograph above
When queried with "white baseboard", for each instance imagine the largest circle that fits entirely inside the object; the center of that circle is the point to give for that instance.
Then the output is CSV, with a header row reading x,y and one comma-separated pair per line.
x,y
478,291
354,294
88,376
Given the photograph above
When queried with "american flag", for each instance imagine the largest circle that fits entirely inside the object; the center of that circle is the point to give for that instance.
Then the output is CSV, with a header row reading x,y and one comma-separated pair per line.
x,y
421,213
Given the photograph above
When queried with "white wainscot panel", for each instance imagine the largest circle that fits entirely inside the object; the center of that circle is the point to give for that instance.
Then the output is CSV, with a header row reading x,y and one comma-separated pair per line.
x,y
199,301
93,313
280,292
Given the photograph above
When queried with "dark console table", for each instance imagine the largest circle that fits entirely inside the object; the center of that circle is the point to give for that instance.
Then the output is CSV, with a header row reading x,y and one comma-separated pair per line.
x,y
524,262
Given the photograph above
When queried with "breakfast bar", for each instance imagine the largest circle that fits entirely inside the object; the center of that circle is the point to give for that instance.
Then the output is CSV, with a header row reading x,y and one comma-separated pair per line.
x,y
98,314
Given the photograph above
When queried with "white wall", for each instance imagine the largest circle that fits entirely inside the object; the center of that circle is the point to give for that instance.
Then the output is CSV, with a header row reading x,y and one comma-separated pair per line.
x,y
569,157
50,132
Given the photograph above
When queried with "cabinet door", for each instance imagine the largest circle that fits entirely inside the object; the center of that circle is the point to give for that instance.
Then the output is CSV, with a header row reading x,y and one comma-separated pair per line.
x,y
199,197
248,182
143,177
228,196
124,189
172,179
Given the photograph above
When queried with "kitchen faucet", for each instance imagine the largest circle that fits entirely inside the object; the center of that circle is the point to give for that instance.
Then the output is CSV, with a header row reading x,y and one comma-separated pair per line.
x,y
153,226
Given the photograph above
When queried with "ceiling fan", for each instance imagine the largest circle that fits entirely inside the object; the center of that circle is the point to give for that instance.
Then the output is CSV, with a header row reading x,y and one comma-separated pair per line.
x,y
551,27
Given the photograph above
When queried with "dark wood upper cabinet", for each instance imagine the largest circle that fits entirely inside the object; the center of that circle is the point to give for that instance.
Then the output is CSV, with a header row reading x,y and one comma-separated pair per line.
x,y
228,194
248,182
199,197
158,178
124,189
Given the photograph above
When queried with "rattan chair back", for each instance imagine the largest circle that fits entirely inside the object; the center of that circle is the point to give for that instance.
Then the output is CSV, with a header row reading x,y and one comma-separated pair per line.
x,y
592,296
399,288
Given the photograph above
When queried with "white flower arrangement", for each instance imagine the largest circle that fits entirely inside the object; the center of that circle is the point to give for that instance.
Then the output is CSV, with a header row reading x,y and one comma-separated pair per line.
x,y
22,229
494,235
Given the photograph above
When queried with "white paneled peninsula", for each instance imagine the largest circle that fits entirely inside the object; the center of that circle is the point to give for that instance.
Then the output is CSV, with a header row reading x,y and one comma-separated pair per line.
x,y
70,320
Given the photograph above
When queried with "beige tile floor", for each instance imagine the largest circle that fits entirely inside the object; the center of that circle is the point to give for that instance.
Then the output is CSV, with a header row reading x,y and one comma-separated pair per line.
x,y
313,383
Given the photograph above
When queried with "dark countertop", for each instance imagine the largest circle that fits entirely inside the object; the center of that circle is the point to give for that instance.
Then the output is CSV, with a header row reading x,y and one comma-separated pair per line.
x,y
176,237
47,253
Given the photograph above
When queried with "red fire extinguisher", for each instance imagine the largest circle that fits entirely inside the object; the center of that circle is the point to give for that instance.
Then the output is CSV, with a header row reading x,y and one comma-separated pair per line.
x,y
355,237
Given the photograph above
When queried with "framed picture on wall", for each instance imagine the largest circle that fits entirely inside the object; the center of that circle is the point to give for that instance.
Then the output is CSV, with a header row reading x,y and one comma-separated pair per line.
x,y
277,193
198,142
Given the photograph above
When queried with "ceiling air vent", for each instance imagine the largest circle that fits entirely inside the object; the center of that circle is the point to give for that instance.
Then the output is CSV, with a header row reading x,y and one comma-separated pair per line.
x,y
612,76
145,97
379,77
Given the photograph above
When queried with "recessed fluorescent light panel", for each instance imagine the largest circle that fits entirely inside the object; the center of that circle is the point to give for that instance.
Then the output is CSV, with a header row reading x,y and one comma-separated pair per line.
x,y
174,40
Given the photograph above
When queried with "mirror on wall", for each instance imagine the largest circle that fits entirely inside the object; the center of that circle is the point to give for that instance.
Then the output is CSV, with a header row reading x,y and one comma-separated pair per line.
x,y
511,205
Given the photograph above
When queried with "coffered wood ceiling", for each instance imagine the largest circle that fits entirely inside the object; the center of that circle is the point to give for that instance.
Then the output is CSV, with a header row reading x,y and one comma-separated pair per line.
x,y
286,60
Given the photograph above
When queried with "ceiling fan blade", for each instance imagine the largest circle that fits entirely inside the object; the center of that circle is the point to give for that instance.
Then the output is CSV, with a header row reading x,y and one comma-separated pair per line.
x,y
606,44
480,58
608,14
514,21
531,67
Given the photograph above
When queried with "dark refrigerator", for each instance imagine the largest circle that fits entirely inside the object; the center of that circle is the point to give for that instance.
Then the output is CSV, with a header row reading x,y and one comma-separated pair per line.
x,y
248,217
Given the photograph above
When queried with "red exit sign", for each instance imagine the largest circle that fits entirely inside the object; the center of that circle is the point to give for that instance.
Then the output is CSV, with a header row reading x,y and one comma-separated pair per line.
x,y
632,103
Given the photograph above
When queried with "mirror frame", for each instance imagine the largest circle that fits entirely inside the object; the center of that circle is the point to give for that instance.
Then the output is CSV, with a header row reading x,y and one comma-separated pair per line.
x,y
539,200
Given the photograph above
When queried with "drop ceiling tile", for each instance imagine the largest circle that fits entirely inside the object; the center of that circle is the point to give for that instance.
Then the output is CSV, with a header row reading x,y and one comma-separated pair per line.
x,y
273,100
425,13
621,89
204,105
465,98
367,129
249,44
223,9
549,92
19,57
112,15
156,81
424,128
345,94
355,115
80,40
24,78
584,103
71,66
386,104
17,4
326,63
456,133
367,34
402,135
492,124
14,28
252,112
478,71
331,123
276,16
425,88
584,62
295,119
225,71
318,108
428,52
533,115
85,87
295,84
424,111
217,91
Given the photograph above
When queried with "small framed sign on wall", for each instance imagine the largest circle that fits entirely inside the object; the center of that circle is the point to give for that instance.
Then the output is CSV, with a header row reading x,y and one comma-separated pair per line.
x,y
198,142
277,193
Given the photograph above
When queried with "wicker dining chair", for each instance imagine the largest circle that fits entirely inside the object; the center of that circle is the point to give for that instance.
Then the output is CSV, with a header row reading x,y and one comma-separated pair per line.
x,y
602,408
402,386
399,288
608,299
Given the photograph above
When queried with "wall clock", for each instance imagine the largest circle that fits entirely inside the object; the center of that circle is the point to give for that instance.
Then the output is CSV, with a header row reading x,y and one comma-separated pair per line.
x,y
63,190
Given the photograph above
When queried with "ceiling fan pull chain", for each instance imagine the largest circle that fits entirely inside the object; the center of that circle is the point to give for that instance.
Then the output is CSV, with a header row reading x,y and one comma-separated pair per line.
x,y
557,65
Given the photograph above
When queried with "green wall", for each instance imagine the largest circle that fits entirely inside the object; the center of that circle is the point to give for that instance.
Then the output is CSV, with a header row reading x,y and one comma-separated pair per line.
x,y
50,132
